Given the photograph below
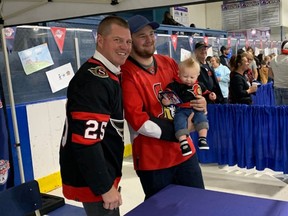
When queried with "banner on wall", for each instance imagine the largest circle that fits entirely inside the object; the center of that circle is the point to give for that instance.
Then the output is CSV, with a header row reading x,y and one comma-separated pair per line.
x,y
251,14
59,36
191,43
6,177
174,41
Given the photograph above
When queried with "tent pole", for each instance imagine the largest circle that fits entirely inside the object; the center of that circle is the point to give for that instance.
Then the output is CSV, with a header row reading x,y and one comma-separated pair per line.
x,y
12,105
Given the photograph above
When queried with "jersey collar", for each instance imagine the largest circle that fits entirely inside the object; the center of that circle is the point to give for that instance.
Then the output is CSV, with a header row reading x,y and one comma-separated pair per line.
x,y
107,63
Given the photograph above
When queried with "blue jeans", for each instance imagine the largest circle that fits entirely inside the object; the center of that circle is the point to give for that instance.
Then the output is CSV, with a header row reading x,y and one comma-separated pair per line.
x,y
281,96
180,119
187,173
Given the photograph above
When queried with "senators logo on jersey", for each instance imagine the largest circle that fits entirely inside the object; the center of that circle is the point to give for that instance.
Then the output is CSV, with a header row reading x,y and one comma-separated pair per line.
x,y
195,90
99,71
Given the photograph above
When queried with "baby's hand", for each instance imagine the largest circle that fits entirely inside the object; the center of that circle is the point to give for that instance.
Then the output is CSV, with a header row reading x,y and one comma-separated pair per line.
x,y
165,101
212,96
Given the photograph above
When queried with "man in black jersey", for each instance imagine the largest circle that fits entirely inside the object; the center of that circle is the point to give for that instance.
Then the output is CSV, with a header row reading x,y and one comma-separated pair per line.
x,y
92,146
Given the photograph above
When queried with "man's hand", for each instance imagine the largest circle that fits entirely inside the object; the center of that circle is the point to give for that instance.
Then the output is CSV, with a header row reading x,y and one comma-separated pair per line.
x,y
199,103
112,199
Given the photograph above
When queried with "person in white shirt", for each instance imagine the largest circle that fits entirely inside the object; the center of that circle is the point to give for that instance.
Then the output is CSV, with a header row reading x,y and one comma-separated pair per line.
x,y
279,67
222,73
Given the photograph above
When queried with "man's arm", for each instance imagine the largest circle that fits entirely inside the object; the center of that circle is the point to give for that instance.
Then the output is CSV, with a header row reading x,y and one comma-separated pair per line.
x,y
138,118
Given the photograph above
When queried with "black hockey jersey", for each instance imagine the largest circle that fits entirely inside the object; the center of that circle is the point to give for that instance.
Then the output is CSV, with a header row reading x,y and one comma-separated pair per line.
x,y
91,151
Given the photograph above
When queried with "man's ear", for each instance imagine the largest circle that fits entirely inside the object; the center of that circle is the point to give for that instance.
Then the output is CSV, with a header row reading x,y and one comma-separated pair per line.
x,y
99,40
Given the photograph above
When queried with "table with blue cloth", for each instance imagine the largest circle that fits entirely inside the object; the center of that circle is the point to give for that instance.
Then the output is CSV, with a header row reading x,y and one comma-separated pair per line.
x,y
176,200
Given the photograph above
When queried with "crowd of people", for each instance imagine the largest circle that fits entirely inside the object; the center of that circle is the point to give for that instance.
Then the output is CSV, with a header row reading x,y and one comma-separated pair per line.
x,y
240,75
91,152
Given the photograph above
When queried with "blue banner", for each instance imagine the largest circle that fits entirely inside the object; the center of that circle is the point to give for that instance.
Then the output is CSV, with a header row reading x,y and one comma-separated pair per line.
x,y
6,178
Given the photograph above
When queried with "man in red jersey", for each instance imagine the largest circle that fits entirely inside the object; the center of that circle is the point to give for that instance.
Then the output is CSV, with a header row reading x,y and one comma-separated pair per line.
x,y
91,152
157,157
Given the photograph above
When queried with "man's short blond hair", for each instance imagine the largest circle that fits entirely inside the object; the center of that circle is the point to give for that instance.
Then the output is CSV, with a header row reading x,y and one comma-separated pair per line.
x,y
105,24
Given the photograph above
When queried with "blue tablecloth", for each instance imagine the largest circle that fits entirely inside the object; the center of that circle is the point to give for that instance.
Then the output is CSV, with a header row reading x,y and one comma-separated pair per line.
x,y
176,200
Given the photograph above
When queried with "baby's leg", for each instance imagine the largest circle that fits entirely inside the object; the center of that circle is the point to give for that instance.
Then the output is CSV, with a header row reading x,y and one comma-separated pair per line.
x,y
202,141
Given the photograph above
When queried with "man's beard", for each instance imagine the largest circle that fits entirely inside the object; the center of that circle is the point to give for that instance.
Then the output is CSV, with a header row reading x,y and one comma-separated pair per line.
x,y
144,53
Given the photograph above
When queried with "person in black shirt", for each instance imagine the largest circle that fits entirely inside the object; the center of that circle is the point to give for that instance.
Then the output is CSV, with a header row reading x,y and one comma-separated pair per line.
x,y
91,150
168,19
224,60
240,89
207,75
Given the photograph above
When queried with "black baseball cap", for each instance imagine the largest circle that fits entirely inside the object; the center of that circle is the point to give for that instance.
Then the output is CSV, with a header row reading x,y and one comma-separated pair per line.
x,y
201,44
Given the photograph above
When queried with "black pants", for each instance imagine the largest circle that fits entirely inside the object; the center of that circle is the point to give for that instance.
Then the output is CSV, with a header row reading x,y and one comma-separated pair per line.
x,y
187,173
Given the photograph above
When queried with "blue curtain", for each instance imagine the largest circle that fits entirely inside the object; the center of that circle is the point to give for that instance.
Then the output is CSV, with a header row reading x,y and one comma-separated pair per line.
x,y
249,136
264,95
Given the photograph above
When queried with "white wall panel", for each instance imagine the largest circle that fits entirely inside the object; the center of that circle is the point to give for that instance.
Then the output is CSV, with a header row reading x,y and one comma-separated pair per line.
x,y
45,123
214,16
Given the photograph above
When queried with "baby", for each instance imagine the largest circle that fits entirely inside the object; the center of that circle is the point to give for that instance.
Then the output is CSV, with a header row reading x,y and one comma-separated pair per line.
x,y
186,88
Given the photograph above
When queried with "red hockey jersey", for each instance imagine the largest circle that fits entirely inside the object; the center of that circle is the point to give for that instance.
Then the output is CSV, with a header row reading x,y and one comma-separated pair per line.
x,y
151,126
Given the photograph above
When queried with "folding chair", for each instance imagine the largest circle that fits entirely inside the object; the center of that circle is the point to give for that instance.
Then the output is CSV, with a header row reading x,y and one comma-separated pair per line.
x,y
21,200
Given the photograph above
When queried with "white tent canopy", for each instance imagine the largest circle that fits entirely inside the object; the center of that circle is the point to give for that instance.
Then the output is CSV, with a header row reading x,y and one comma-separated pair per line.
x,y
17,12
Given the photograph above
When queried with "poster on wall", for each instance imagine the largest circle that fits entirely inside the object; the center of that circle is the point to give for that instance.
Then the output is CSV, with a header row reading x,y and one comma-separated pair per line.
x,y
60,77
184,54
35,58
251,14
230,16
270,13
180,14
